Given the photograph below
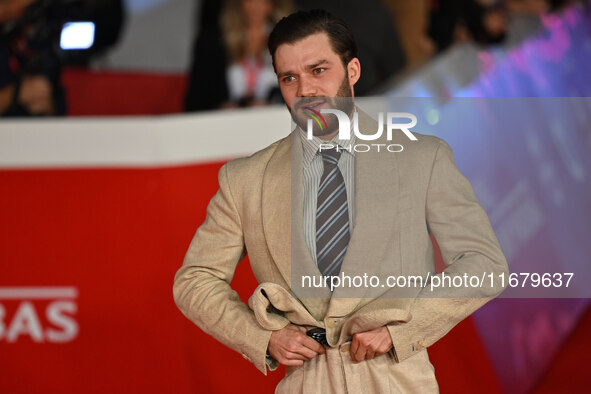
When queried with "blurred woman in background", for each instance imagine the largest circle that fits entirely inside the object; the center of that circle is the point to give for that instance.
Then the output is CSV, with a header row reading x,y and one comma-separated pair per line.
x,y
245,27
231,66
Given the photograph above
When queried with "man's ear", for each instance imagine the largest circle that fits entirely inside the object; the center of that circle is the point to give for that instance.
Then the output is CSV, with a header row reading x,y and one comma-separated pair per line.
x,y
354,70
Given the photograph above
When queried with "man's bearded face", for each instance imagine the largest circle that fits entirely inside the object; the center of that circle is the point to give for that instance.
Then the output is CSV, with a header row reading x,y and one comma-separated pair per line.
x,y
303,106
312,77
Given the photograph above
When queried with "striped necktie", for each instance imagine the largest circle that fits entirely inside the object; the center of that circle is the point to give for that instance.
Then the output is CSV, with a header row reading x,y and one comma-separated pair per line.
x,y
332,216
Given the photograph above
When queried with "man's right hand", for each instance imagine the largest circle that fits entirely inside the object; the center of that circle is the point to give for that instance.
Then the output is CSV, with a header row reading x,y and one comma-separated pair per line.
x,y
36,95
291,346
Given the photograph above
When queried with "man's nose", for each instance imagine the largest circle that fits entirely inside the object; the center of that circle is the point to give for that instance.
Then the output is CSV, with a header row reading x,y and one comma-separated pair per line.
x,y
307,88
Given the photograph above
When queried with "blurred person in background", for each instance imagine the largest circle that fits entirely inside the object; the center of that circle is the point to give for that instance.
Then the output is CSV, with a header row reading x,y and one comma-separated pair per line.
x,y
246,25
31,54
231,67
484,22
412,22
207,88
457,21
24,90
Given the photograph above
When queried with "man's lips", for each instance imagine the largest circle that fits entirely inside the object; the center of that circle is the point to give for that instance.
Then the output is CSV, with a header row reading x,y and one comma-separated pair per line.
x,y
314,106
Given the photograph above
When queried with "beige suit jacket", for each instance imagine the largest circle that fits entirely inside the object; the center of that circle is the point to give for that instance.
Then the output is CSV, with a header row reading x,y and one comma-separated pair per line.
x,y
400,200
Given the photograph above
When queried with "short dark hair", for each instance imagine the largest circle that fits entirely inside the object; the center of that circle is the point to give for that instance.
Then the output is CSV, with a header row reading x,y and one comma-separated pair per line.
x,y
302,24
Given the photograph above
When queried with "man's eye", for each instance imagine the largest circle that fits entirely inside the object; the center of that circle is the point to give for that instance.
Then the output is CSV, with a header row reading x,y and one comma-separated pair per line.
x,y
288,79
319,70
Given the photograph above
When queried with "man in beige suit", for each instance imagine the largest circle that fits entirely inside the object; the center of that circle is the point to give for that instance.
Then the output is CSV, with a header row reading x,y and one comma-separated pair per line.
x,y
367,339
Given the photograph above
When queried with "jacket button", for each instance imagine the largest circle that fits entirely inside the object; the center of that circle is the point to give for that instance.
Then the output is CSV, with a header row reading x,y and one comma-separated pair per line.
x,y
332,323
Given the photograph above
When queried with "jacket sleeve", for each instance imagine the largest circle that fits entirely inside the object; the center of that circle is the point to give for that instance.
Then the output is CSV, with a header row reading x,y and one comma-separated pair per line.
x,y
202,285
469,248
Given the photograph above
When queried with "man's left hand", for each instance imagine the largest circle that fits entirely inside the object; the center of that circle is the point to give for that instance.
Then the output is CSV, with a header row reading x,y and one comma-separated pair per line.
x,y
369,344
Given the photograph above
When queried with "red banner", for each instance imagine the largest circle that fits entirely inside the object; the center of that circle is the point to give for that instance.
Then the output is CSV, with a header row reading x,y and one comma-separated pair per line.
x,y
87,265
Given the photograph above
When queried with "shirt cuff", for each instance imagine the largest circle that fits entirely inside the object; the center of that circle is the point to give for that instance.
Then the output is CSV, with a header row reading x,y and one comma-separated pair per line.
x,y
272,364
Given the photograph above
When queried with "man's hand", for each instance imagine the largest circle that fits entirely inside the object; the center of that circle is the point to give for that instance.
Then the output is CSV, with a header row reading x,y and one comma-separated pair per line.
x,y
369,344
291,346
35,95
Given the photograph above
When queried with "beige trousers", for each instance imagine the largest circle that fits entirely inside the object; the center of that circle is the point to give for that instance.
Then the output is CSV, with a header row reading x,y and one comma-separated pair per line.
x,y
334,372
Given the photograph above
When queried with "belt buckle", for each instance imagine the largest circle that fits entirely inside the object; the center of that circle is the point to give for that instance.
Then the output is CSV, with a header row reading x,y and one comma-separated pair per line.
x,y
318,334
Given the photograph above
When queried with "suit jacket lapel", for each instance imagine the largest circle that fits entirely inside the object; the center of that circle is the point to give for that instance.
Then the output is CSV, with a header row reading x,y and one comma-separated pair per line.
x,y
275,207
282,214
376,198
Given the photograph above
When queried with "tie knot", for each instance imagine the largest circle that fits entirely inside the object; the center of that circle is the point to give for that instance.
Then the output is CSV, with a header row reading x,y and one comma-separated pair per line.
x,y
331,156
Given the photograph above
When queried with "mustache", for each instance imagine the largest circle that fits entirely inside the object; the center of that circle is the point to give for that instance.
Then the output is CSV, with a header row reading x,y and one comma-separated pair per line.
x,y
310,102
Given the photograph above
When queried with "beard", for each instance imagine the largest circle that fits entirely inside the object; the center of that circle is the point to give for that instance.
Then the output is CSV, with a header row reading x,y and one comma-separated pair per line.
x,y
302,106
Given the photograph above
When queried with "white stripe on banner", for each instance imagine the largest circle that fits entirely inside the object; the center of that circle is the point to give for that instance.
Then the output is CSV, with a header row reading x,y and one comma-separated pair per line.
x,y
140,141
19,293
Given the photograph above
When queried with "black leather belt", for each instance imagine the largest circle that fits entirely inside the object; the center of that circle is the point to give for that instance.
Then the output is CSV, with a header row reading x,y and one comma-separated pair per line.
x,y
318,334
